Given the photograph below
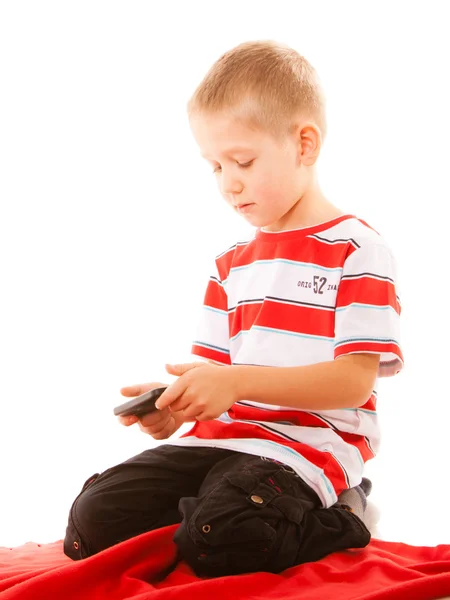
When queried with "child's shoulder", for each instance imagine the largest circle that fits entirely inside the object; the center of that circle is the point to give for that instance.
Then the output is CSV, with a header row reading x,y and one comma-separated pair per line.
x,y
222,260
357,232
241,243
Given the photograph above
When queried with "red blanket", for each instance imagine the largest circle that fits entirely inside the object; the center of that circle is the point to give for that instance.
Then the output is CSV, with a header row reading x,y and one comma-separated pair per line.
x,y
144,567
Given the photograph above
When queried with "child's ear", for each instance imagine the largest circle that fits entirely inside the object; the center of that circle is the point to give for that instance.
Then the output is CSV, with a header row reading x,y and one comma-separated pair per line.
x,y
309,144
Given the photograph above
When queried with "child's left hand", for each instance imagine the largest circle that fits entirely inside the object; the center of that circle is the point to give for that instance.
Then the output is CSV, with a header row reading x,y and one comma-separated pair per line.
x,y
203,391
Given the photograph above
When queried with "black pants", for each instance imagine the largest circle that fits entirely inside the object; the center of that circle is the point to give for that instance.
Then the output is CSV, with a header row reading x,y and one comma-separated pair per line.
x,y
238,513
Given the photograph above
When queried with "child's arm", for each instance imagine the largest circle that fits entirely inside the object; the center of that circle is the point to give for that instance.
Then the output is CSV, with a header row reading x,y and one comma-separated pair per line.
x,y
346,382
204,390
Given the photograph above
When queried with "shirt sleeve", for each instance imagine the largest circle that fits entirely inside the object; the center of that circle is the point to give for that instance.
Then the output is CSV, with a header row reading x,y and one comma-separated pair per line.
x,y
368,308
212,336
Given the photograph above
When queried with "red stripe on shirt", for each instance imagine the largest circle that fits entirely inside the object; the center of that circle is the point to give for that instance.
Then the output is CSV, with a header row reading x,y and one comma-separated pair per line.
x,y
211,354
326,255
215,296
367,290
368,346
225,262
287,317
295,417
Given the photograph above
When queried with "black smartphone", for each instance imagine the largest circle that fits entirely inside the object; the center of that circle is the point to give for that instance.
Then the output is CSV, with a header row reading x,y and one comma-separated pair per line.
x,y
141,405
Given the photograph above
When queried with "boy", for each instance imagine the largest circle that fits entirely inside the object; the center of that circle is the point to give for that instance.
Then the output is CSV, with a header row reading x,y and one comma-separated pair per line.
x,y
298,323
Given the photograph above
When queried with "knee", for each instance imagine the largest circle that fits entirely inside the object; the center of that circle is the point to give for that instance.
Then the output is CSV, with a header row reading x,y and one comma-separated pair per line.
x,y
89,526
231,530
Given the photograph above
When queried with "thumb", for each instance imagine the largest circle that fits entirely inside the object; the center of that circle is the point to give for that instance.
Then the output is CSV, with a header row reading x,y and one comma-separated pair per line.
x,y
180,369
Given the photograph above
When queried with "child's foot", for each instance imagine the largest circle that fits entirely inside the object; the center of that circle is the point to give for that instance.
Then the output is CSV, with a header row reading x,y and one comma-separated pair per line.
x,y
355,499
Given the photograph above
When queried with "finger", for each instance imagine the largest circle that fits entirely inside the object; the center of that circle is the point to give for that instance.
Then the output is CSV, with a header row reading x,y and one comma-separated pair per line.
x,y
140,388
159,427
191,413
127,421
203,416
182,403
179,405
172,393
152,418
133,390
166,432
184,368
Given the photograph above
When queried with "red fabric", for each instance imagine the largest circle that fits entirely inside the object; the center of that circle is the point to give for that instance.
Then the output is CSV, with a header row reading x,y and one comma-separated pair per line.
x,y
143,567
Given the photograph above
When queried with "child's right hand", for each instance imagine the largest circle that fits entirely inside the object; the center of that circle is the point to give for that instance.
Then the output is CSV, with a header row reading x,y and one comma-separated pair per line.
x,y
160,424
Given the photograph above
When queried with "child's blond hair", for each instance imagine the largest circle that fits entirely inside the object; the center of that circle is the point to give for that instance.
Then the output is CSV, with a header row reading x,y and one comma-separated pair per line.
x,y
265,84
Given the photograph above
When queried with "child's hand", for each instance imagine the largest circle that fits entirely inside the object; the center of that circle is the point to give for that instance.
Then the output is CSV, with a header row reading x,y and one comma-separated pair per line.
x,y
160,424
203,391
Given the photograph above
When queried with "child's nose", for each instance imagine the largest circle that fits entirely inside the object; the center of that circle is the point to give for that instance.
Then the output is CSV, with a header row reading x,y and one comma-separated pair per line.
x,y
230,184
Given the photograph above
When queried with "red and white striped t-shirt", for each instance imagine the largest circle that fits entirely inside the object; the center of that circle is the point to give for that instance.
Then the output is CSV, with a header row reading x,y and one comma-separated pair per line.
x,y
295,298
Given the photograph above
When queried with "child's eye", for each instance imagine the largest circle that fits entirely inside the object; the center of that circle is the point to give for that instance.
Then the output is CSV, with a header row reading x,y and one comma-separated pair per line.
x,y
243,165
246,165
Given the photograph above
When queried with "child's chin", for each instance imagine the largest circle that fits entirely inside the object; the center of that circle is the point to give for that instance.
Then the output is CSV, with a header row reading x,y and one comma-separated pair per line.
x,y
255,220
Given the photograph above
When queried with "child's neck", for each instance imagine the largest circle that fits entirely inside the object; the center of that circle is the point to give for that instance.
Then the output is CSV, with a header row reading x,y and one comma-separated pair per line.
x,y
311,209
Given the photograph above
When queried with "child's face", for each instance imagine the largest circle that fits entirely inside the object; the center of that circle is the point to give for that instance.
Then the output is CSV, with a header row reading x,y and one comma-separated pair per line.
x,y
259,176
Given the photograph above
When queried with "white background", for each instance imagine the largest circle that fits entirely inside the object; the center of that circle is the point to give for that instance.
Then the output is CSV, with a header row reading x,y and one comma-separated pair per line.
x,y
109,220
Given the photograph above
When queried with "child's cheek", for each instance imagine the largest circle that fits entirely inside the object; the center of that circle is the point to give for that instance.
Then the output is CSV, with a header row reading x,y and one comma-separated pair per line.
x,y
269,194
